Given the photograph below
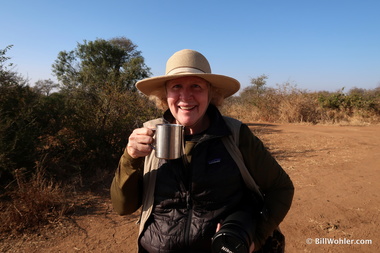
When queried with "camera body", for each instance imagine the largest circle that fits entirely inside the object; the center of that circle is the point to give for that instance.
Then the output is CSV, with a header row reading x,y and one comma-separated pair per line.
x,y
235,234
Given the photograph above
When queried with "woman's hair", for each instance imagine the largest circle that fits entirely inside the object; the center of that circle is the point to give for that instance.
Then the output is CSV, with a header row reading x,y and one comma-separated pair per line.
x,y
216,98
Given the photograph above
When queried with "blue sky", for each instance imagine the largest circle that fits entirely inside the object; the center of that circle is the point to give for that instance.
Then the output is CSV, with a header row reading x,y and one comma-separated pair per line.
x,y
313,44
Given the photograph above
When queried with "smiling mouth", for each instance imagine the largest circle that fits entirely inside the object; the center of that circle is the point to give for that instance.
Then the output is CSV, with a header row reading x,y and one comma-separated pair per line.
x,y
186,107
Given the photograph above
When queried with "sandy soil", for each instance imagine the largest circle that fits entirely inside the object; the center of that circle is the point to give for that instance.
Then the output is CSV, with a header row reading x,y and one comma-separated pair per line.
x,y
336,172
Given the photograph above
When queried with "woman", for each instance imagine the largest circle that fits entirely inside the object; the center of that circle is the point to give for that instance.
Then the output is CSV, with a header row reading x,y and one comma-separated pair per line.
x,y
184,201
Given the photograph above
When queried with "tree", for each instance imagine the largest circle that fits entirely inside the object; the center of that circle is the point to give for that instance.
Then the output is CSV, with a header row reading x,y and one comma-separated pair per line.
x,y
3,59
19,127
258,83
95,64
8,77
253,93
45,86
97,86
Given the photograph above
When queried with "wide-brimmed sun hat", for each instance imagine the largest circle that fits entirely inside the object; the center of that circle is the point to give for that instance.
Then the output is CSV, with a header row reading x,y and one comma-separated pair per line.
x,y
188,63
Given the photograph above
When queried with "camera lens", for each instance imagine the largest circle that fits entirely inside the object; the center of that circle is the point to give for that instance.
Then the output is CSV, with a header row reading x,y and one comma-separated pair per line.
x,y
235,235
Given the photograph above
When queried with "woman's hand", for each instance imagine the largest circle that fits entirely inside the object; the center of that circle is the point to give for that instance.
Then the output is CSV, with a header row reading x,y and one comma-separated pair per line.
x,y
218,226
139,142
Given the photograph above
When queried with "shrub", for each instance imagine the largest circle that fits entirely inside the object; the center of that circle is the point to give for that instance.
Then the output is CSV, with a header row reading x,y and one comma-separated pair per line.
x,y
94,132
288,104
358,104
19,127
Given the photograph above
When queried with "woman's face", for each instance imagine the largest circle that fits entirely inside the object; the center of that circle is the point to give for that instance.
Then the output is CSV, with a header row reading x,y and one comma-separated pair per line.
x,y
188,99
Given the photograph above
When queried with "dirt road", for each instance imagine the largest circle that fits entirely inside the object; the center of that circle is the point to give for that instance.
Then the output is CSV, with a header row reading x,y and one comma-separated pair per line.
x,y
336,172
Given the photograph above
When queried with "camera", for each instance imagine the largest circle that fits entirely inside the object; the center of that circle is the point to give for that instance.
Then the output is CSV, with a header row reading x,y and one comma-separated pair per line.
x,y
235,234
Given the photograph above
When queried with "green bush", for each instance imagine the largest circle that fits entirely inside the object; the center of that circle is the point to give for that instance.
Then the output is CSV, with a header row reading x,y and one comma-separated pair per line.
x,y
19,127
357,103
67,132
94,131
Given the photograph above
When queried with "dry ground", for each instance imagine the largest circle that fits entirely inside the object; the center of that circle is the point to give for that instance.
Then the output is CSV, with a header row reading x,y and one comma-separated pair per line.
x,y
336,172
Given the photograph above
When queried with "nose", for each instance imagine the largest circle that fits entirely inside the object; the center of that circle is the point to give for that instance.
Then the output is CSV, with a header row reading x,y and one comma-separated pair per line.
x,y
186,94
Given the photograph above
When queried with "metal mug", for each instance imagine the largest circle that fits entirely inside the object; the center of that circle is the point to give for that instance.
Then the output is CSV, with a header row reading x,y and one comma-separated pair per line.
x,y
169,141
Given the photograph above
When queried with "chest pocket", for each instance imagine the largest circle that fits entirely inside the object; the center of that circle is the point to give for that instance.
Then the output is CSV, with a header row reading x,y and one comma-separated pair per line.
x,y
216,179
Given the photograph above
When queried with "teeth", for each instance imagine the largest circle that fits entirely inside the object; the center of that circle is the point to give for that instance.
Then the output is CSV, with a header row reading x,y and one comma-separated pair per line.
x,y
186,107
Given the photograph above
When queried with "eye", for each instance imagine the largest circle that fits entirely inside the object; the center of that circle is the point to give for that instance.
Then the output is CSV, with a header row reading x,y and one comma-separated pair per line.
x,y
196,86
173,86
176,86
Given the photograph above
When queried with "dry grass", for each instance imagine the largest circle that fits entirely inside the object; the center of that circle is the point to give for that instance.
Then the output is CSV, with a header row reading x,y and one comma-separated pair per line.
x,y
287,104
29,204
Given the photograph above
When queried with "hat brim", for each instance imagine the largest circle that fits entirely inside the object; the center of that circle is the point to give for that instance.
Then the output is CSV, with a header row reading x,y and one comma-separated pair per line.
x,y
226,85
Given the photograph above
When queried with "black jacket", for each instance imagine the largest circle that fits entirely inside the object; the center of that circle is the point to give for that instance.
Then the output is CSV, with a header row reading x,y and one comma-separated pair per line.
x,y
192,197
189,200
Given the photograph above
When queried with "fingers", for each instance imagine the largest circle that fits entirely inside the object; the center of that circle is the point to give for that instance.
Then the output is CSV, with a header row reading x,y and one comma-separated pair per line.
x,y
139,142
252,247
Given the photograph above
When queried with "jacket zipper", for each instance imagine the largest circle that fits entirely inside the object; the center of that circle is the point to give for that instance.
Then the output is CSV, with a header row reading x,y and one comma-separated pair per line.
x,y
188,222
189,205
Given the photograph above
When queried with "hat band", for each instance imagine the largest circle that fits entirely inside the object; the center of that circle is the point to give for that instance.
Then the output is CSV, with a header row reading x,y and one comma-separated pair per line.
x,y
185,70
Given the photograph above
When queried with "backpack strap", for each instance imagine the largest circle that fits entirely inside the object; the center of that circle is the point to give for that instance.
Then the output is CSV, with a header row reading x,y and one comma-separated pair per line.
x,y
231,143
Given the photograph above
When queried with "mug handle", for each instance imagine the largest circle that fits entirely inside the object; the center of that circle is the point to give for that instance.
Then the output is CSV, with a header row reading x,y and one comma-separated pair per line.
x,y
154,139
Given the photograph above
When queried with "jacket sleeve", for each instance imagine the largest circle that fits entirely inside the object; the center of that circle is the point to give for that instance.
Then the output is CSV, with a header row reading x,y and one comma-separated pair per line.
x,y
273,181
126,188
